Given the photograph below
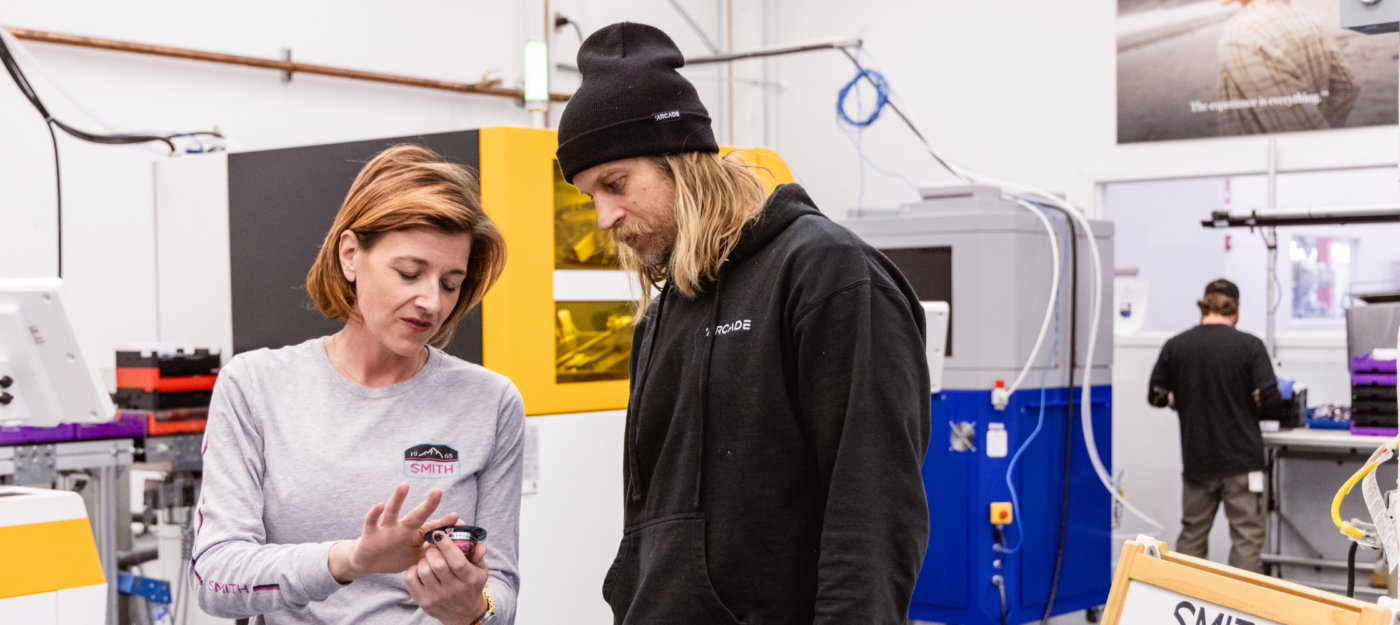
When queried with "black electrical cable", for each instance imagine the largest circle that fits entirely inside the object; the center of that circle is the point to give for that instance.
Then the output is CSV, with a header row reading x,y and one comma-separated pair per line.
x,y
561,21
1351,570
58,195
26,89
1000,583
1069,405
29,94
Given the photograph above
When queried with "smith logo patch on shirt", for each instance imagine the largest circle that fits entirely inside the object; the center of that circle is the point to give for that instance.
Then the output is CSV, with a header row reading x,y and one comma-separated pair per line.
x,y
431,461
666,116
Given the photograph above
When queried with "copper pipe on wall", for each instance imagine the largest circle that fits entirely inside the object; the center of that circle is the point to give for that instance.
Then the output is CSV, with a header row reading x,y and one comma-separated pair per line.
x,y
289,67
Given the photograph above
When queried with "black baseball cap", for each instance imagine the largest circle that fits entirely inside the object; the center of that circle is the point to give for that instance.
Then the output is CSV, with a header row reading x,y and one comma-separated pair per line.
x,y
1224,287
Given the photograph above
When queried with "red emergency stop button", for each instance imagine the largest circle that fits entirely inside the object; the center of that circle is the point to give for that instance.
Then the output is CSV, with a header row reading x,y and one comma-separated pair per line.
x,y
1001,513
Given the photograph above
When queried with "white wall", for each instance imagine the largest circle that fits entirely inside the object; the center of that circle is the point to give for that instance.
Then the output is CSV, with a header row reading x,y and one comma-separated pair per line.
x,y
570,529
1020,90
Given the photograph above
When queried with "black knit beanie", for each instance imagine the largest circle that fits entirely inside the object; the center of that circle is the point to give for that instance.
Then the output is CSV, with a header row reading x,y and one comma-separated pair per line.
x,y
632,102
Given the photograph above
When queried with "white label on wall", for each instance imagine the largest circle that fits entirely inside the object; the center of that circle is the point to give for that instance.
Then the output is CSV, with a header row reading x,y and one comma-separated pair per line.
x,y
530,472
1146,604
594,285
996,440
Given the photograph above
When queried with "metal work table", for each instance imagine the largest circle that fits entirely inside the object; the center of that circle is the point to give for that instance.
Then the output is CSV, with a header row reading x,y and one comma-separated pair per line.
x,y
1305,469
105,463
1324,439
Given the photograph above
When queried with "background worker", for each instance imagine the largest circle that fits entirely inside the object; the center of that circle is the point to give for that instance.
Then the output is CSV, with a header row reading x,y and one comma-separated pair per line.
x,y
1221,383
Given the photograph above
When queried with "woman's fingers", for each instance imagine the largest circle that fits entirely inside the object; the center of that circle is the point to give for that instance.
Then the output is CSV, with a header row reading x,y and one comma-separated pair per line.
x,y
420,514
411,579
450,519
427,572
453,559
391,511
437,560
372,518
479,556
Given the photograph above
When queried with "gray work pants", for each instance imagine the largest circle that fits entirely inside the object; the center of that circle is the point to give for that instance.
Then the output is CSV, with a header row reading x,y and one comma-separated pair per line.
x,y
1200,498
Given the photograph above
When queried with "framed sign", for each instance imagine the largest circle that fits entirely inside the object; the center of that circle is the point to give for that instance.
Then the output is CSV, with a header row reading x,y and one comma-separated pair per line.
x,y
1215,68
1155,587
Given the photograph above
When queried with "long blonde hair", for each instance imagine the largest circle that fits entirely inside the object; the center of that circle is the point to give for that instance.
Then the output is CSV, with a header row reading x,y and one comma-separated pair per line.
x,y
715,197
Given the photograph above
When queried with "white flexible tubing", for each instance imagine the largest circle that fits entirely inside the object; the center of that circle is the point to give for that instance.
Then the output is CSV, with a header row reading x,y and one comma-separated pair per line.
x,y
1085,412
1086,416
1049,308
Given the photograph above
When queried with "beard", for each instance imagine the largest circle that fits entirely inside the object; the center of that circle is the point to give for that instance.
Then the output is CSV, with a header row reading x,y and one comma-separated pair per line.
x,y
650,244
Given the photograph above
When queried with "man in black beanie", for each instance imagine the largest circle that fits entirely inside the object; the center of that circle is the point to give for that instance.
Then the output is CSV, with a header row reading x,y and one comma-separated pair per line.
x,y
779,412
1221,383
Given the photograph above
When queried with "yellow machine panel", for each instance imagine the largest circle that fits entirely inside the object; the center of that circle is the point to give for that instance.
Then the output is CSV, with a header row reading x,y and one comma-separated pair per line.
x,y
564,356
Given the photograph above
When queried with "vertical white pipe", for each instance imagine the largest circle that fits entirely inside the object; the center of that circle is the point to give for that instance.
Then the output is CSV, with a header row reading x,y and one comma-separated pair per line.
x,y
1271,240
729,69
768,74
537,29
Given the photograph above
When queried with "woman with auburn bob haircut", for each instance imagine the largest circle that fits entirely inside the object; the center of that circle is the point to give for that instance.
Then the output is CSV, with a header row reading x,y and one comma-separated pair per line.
x,y
303,440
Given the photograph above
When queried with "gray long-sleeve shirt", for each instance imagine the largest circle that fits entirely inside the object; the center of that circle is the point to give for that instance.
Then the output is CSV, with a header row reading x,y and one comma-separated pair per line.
x,y
295,455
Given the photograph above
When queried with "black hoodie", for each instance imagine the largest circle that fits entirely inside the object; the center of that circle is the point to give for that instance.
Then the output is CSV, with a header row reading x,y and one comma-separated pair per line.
x,y
775,434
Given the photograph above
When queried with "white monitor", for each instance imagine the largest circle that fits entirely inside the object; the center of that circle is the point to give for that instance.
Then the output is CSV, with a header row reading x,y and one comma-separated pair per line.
x,y
44,379
936,325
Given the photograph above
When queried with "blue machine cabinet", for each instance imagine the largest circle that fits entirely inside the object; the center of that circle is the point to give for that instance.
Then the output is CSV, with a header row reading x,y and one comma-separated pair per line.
x,y
955,584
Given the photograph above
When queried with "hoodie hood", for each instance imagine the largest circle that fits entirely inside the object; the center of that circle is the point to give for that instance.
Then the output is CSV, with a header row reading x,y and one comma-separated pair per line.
x,y
787,203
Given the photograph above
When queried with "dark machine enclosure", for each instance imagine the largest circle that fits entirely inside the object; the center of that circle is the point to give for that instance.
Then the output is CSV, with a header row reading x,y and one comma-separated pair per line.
x,y
930,271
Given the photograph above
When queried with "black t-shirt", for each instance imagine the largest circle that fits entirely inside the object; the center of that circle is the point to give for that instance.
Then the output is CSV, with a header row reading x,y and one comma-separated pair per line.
x,y
1213,371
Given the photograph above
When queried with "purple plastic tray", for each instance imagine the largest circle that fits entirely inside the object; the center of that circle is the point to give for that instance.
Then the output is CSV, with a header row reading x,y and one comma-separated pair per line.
x,y
1373,379
1370,431
1367,364
126,425
25,435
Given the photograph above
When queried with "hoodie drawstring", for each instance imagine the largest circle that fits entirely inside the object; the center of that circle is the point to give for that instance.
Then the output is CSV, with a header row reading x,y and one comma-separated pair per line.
x,y
634,489
704,381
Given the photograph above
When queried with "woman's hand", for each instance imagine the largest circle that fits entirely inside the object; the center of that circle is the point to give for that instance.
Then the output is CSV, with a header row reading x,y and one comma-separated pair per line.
x,y
448,585
387,544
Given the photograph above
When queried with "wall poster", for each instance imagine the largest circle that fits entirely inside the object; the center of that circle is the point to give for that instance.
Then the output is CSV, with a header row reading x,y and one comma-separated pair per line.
x,y
1204,68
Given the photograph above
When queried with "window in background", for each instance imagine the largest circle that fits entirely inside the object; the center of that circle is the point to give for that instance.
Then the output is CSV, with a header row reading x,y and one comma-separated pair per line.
x,y
1324,269
1157,231
592,339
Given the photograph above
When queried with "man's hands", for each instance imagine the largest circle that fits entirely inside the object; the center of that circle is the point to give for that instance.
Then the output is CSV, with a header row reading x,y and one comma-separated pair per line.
x,y
387,544
448,585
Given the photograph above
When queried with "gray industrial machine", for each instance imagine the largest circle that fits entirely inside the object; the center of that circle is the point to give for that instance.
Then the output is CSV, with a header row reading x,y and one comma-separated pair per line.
x,y
990,259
